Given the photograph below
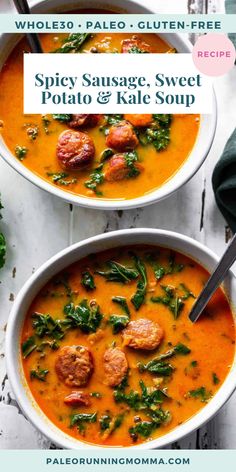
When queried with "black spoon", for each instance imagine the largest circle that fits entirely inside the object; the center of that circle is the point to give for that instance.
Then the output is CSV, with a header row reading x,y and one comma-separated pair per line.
x,y
33,39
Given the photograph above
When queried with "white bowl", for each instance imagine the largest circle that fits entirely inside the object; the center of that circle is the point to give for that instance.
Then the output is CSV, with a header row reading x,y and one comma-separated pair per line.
x,y
189,168
59,262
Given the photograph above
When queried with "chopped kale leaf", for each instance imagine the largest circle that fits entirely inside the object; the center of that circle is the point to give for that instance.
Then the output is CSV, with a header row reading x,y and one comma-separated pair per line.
x,y
139,297
118,273
39,374
73,43
88,281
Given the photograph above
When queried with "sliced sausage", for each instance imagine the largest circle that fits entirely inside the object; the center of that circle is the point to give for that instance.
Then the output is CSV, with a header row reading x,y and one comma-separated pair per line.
x,y
74,366
143,334
75,149
89,121
139,121
115,366
122,137
135,44
117,168
77,399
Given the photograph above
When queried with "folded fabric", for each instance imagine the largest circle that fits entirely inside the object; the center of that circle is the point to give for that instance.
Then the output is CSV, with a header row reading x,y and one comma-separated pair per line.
x,y
224,175
224,182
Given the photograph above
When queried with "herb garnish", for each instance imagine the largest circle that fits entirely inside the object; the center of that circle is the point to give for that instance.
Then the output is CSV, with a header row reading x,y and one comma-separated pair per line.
x,y
215,379
131,158
96,178
104,422
95,394
80,419
163,120
2,242
148,397
159,270
20,152
158,134
173,299
145,428
178,349
59,178
201,393
123,304
148,401
63,118
159,367
51,344
32,130
46,122
118,322
137,50
73,43
110,120
88,281
39,374
109,424
139,297
28,346
84,316
106,154
1,207
118,273
45,325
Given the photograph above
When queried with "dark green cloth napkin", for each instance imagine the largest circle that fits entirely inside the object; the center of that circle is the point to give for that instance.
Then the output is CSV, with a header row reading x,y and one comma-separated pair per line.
x,y
224,175
224,182
230,7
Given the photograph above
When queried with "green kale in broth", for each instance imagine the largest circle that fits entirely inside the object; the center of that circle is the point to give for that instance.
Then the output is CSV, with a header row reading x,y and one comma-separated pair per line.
x,y
118,273
122,302
73,43
174,298
63,118
88,281
118,322
86,316
96,178
20,152
39,374
139,297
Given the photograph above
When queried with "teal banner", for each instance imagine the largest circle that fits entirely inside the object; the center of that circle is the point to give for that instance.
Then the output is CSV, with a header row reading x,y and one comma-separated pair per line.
x,y
122,460
147,23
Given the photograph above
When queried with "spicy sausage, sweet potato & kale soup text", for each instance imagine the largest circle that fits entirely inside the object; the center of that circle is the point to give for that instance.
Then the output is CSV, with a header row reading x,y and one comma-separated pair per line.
x,y
108,350
101,156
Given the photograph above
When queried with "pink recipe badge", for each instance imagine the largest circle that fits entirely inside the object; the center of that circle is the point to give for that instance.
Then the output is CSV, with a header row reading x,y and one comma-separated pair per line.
x,y
214,54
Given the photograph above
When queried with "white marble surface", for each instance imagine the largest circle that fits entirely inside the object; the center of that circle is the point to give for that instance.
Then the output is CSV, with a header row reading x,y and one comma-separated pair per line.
x,y
38,225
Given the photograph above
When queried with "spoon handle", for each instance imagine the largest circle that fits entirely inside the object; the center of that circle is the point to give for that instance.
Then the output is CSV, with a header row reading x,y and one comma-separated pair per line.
x,y
33,39
22,6
215,280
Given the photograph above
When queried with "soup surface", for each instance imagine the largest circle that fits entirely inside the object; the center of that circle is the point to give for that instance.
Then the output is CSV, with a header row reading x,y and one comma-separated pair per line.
x,y
97,156
110,354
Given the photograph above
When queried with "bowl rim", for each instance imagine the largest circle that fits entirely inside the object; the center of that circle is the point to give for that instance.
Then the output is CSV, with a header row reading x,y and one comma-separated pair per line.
x,y
13,361
174,183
